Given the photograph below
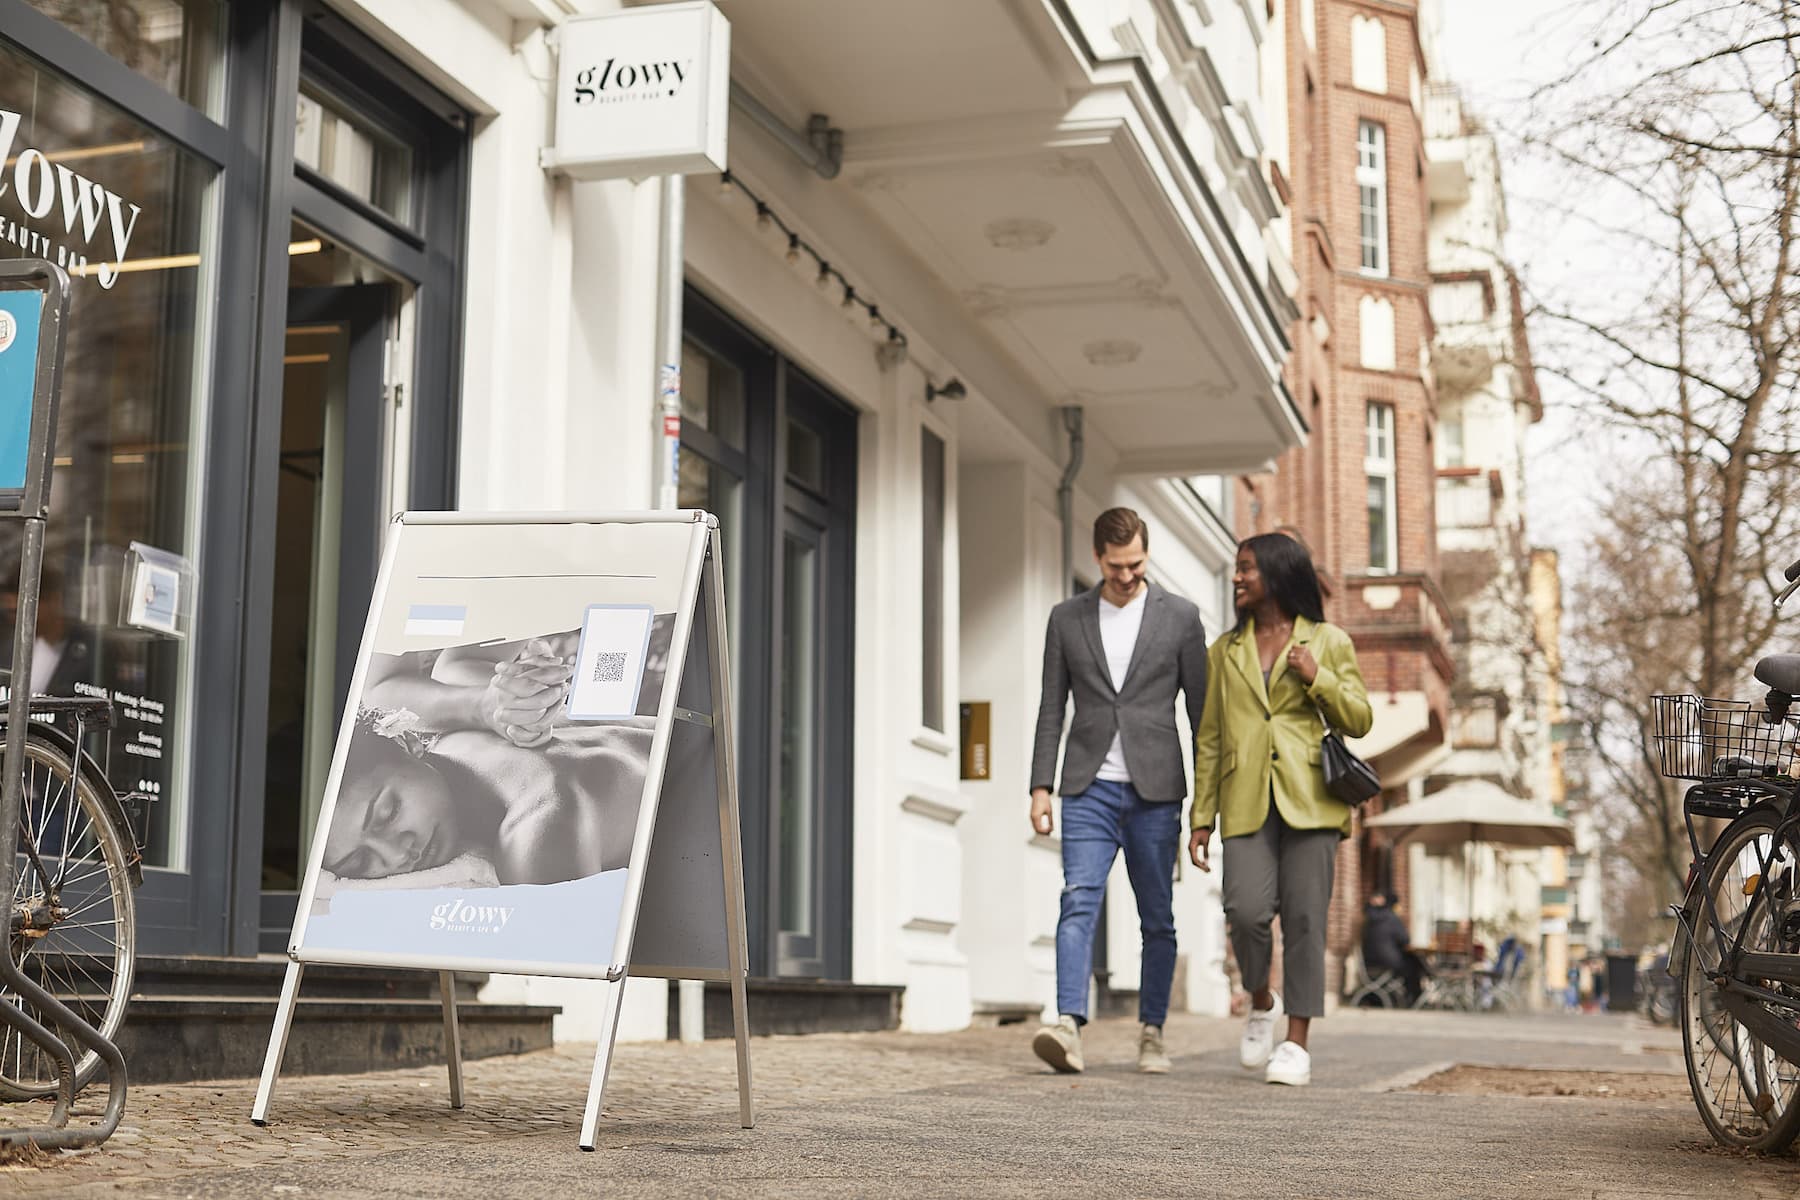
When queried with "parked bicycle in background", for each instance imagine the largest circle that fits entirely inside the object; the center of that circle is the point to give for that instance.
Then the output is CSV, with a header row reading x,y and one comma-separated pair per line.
x,y
1736,956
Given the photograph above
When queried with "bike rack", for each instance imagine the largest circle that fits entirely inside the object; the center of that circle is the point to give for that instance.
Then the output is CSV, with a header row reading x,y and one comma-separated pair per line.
x,y
31,505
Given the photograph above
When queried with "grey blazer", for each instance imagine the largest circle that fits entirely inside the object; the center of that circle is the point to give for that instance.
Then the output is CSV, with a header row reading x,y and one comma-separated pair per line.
x,y
1170,656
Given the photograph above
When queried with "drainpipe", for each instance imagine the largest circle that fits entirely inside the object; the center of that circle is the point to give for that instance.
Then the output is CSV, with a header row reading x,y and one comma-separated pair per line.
x,y
669,252
1065,493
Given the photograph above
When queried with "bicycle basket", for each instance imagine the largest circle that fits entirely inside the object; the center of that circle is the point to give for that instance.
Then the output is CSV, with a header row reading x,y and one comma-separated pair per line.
x,y
1701,738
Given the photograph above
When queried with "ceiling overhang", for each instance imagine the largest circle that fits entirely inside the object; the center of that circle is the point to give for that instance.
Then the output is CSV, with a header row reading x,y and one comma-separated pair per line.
x,y
1053,196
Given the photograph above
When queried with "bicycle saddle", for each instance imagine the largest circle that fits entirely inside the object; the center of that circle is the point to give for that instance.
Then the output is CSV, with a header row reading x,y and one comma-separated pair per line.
x,y
1781,672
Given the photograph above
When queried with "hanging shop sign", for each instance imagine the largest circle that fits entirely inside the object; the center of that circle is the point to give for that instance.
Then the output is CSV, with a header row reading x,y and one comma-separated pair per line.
x,y
642,92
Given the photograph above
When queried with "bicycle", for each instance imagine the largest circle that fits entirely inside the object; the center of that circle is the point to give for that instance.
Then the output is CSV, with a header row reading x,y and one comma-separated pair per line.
x,y
1736,952
71,923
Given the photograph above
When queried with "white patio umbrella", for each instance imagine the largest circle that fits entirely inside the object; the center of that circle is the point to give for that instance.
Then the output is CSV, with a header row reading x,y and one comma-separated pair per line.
x,y
1473,810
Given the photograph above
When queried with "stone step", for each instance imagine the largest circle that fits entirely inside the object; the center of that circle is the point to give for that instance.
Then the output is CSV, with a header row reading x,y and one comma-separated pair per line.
x,y
202,1017
168,975
990,1014
174,1039
798,1006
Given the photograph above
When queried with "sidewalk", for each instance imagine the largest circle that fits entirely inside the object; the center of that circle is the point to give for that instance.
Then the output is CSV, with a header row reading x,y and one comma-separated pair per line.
x,y
965,1114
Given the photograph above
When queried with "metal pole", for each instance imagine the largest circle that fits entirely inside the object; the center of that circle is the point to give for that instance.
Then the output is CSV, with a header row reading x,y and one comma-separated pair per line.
x,y
1065,496
670,254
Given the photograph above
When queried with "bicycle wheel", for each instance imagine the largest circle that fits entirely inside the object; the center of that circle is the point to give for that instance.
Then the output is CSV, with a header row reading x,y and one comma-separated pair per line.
x,y
1748,1096
72,926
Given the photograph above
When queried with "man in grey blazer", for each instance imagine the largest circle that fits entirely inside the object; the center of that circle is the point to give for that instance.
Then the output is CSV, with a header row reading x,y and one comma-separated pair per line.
x,y
1123,650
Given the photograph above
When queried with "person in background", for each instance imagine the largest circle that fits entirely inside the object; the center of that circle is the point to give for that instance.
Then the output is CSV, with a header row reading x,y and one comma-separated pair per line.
x,y
1387,946
66,647
1123,650
1257,774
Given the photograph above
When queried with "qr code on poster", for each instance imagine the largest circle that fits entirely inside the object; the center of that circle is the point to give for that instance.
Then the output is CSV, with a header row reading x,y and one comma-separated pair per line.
x,y
609,667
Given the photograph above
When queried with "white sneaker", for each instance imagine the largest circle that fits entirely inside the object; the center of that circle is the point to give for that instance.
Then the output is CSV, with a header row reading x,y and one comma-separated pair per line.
x,y
1259,1035
1290,1065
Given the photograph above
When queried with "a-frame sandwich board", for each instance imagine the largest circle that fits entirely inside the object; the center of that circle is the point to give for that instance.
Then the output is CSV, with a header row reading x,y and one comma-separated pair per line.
x,y
645,595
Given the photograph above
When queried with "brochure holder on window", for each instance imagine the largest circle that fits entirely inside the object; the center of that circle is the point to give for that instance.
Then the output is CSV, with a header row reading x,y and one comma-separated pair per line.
x,y
158,592
535,773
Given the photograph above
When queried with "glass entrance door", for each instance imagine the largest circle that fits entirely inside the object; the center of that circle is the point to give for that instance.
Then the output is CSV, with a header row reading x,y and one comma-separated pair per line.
x,y
328,507
810,820
773,454
797,865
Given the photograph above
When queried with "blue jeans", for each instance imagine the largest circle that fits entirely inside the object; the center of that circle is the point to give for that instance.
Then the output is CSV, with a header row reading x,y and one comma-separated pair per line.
x,y
1096,825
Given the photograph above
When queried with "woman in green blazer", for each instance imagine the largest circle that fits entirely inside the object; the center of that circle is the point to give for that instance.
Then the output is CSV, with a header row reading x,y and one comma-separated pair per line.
x,y
1256,770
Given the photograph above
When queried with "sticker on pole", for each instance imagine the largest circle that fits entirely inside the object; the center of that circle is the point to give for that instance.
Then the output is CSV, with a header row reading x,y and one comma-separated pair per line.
x,y
19,319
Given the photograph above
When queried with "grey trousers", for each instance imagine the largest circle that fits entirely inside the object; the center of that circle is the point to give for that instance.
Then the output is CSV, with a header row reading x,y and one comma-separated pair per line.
x,y
1286,871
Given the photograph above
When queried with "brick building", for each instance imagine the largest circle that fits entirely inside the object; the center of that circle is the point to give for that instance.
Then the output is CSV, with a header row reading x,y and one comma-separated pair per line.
x,y
1353,174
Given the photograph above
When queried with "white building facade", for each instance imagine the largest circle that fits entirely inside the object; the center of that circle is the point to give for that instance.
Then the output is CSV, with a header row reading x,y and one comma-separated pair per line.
x,y
1062,209
977,273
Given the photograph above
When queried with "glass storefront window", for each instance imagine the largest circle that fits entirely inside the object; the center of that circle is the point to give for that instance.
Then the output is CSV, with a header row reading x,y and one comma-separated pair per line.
x,y
351,152
128,214
175,44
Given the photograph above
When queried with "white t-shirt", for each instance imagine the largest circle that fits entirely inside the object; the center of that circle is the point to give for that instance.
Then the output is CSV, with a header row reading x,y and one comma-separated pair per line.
x,y
1118,637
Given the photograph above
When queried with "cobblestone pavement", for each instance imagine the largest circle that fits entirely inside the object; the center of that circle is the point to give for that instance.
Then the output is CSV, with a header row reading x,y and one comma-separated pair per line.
x,y
956,1114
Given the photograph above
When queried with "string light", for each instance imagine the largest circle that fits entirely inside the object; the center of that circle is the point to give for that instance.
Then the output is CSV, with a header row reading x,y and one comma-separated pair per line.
x,y
828,275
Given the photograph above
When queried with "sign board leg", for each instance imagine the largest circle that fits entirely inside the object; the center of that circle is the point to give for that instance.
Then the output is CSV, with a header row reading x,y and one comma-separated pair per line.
x,y
725,763
613,1001
452,1037
740,1025
278,1036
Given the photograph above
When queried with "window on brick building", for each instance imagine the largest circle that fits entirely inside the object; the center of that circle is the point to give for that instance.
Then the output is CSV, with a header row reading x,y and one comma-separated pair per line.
x,y
1378,466
1368,55
1371,196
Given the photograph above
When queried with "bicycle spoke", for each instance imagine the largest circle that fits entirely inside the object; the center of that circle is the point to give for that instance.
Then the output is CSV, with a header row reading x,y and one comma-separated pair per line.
x,y
74,864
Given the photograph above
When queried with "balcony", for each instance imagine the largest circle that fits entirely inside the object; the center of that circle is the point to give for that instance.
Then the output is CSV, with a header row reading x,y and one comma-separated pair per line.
x,y
1447,176
1091,199
1473,336
1467,498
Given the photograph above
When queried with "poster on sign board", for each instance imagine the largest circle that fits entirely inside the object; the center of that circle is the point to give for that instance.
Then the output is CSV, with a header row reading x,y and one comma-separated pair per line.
x,y
490,772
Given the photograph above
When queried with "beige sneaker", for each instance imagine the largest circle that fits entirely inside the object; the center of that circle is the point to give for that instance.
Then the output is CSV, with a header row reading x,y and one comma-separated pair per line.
x,y
1060,1045
1152,1058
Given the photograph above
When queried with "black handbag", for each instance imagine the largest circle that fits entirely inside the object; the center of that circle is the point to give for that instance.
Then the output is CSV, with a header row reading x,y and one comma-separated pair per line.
x,y
1347,777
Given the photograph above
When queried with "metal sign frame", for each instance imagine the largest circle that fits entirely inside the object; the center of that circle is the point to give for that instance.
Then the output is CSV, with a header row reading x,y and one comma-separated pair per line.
x,y
700,700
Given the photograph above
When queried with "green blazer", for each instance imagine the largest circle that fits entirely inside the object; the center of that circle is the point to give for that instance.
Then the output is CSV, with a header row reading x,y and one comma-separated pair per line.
x,y
1252,738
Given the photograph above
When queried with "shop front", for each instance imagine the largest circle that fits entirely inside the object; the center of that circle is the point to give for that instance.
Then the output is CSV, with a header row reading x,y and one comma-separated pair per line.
x,y
262,214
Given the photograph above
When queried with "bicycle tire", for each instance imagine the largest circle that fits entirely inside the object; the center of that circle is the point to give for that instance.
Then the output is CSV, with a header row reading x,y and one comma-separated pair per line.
x,y
81,876
1748,1097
